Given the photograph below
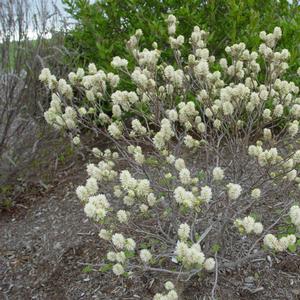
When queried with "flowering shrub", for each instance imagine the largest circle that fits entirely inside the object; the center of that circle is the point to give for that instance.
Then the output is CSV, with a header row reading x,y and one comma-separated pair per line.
x,y
208,150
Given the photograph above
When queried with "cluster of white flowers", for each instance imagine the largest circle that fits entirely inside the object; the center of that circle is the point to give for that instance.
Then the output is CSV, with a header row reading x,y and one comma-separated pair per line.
x,y
187,113
134,189
193,257
91,188
264,157
120,242
176,78
97,207
124,99
115,130
170,295
53,114
103,171
190,142
137,153
295,216
281,244
164,135
49,79
119,62
248,225
137,128
55,117
186,198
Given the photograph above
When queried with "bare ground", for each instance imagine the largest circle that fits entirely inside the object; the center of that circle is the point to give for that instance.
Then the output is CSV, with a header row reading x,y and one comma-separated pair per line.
x,y
46,242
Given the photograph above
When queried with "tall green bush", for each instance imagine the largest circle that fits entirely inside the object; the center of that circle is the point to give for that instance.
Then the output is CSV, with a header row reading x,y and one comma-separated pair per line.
x,y
103,27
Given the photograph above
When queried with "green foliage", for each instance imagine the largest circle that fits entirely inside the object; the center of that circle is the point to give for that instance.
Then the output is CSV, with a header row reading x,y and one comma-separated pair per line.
x,y
215,248
104,26
87,269
105,268
5,196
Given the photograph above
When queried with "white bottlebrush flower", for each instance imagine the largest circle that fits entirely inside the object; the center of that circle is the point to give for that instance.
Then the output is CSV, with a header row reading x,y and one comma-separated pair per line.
x,y
111,256
115,130
45,75
90,210
76,140
92,186
104,234
267,114
209,264
120,257
295,215
293,128
179,164
82,193
233,191
206,193
267,134
145,255
248,224
190,142
118,62
144,208
82,111
143,188
217,123
184,197
255,193
258,228
118,240
184,231
278,110
169,286
218,174
138,128
116,111
172,115
118,269
279,245
122,216
270,241
151,199
291,175
185,176
172,295
92,69
127,181
130,244
228,108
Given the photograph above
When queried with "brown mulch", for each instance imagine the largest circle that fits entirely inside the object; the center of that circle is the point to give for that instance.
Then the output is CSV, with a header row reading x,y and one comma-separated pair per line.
x,y
46,244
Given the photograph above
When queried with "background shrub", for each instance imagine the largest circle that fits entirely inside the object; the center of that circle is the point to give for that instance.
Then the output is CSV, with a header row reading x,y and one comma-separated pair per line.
x,y
25,48
103,27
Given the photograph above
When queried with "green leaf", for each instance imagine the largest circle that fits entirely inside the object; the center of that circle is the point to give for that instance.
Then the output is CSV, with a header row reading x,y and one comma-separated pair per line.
x,y
87,269
215,248
292,248
106,268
